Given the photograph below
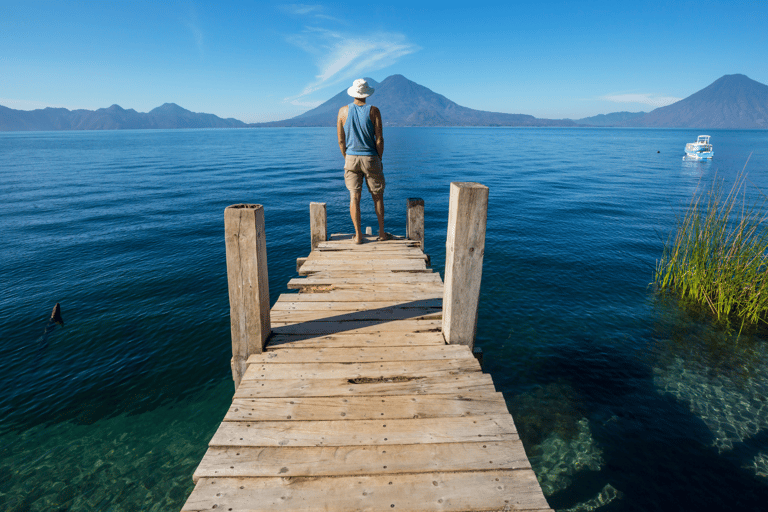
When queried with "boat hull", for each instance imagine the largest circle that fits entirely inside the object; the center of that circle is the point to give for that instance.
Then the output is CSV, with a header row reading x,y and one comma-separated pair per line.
x,y
705,155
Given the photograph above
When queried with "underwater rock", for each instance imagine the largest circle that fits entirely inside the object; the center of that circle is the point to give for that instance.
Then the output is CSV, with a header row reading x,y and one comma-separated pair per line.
x,y
605,496
556,459
733,409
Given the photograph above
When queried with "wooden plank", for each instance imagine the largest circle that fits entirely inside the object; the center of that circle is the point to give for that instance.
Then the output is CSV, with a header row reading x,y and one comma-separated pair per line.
x,y
426,492
372,295
318,223
415,221
359,327
371,255
395,277
464,251
311,267
383,265
388,369
383,314
366,407
248,283
360,460
340,340
362,354
285,304
366,432
439,385
397,246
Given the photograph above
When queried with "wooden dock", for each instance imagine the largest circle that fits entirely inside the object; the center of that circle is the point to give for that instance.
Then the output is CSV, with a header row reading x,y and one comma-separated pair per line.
x,y
357,403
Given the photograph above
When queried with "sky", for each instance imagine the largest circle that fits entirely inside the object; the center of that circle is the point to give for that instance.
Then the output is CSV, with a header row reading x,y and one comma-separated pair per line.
x,y
266,61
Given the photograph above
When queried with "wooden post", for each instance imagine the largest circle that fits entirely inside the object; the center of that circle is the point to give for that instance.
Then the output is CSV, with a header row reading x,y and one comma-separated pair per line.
x,y
318,223
414,229
248,283
464,249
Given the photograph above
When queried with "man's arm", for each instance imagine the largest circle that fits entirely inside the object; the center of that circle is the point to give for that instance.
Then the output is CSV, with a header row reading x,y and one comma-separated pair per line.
x,y
378,130
340,120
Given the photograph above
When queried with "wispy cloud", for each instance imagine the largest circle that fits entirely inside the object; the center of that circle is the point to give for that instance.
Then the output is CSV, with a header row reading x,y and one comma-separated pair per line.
x,y
646,99
312,11
190,21
302,9
341,55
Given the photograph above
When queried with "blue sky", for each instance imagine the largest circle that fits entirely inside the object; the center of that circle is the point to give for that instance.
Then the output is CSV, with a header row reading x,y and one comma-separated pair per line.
x,y
259,61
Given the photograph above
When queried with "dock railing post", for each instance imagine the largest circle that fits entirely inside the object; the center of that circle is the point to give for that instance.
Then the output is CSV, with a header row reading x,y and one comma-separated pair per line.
x,y
464,249
248,283
318,223
414,229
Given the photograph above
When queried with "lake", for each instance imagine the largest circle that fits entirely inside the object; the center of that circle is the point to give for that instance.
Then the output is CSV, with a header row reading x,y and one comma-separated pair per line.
x,y
624,400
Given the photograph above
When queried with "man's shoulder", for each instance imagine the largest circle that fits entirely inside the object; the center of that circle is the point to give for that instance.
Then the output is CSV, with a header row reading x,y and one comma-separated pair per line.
x,y
343,110
375,109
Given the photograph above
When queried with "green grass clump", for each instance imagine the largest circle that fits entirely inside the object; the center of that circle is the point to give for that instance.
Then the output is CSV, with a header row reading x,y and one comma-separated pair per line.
x,y
718,257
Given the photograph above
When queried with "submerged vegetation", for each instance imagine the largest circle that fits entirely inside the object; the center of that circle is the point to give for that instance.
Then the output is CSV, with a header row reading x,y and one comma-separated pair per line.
x,y
718,256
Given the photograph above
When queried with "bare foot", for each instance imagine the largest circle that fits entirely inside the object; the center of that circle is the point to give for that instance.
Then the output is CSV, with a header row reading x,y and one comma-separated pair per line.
x,y
384,236
358,239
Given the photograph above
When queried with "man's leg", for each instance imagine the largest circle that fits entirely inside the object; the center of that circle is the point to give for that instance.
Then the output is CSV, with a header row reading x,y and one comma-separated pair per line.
x,y
354,212
378,203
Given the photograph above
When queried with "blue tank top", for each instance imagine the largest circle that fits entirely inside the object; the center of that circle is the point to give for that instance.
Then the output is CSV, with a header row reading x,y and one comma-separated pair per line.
x,y
359,133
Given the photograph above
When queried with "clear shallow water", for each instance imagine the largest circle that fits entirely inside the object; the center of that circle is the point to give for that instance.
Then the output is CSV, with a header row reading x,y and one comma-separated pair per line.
x,y
623,402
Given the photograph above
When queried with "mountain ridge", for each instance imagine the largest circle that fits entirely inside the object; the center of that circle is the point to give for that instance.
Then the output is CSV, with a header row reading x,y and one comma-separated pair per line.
x,y
406,103
730,102
114,117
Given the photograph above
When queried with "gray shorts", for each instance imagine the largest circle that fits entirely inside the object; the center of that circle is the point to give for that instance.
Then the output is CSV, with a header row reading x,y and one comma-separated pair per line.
x,y
358,166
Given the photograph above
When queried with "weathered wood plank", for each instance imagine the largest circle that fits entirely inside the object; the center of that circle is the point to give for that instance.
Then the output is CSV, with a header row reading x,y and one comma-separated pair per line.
x,y
461,429
370,255
443,492
310,267
318,223
415,221
340,340
395,277
439,385
358,327
342,295
360,460
389,369
362,354
285,304
366,407
464,249
385,263
383,314
248,283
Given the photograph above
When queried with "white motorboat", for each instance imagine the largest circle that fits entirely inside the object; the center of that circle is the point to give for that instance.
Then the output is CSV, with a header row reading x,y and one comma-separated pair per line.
x,y
699,150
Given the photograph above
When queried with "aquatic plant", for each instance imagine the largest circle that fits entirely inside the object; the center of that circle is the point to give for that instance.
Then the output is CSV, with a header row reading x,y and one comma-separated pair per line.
x,y
718,256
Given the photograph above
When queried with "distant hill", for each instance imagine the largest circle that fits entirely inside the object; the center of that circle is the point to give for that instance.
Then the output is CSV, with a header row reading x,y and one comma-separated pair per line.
x,y
611,119
731,102
406,103
167,116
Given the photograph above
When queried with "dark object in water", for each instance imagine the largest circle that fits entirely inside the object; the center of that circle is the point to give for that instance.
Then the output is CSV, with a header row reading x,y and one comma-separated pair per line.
x,y
658,151
56,315
50,326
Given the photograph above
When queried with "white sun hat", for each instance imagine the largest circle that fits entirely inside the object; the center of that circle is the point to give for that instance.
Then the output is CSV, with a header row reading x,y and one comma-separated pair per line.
x,y
360,89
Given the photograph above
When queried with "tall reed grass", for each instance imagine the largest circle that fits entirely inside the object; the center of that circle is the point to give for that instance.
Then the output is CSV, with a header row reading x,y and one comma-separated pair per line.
x,y
718,256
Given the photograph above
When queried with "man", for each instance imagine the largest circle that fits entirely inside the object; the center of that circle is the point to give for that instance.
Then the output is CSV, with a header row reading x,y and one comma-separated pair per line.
x,y
362,144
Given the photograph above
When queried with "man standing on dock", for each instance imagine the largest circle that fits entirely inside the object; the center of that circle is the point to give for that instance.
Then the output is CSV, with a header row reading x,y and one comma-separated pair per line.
x,y
362,144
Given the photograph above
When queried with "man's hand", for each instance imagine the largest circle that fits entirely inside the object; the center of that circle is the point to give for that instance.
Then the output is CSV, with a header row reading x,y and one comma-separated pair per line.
x,y
340,120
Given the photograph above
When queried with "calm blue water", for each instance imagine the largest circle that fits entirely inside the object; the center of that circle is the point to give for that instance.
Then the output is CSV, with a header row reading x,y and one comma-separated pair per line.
x,y
624,402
